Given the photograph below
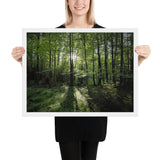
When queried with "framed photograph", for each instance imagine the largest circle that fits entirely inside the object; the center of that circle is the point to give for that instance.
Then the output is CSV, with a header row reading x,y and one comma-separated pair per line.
x,y
82,72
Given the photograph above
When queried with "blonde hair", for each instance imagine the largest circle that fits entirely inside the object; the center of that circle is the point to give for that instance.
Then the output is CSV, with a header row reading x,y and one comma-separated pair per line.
x,y
90,14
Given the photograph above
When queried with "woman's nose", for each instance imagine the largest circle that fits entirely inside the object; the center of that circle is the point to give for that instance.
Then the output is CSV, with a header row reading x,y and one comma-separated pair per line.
x,y
78,2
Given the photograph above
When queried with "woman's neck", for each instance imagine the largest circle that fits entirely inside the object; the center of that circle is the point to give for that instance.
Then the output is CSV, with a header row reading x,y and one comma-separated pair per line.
x,y
79,22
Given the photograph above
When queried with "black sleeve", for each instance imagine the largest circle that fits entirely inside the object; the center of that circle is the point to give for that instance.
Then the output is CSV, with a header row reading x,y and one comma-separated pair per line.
x,y
98,26
61,26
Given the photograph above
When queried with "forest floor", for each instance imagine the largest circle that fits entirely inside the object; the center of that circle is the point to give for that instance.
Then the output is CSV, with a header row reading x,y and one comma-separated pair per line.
x,y
77,99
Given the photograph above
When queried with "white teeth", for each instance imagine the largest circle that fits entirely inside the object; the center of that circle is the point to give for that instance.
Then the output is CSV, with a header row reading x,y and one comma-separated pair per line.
x,y
79,7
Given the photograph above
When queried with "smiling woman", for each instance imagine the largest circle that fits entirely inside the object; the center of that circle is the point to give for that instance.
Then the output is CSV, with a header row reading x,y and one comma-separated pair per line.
x,y
79,7
76,11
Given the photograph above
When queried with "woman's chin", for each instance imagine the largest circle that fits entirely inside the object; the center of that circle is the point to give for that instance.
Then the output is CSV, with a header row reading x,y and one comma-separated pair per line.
x,y
80,13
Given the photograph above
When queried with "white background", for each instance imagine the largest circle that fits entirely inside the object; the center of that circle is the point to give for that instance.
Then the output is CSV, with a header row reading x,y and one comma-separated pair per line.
x,y
33,138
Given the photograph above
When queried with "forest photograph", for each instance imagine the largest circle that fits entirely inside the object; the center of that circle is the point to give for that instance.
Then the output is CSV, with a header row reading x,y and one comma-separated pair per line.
x,y
80,71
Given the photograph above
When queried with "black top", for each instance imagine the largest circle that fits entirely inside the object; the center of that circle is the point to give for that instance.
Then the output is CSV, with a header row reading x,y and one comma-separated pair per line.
x,y
80,128
95,26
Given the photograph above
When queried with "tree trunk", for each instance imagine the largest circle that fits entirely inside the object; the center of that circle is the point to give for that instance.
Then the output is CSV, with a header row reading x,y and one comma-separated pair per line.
x,y
71,60
99,63
55,77
114,80
93,68
106,56
50,72
38,57
121,69
112,46
86,65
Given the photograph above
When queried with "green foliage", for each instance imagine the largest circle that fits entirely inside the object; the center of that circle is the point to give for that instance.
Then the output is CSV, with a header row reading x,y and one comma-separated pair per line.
x,y
79,72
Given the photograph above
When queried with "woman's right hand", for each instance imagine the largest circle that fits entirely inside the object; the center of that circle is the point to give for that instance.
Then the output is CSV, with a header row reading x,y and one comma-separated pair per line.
x,y
17,53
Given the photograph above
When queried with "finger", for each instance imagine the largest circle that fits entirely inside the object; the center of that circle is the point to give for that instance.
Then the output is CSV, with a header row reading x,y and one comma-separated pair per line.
x,y
145,52
14,49
137,49
17,48
21,49
144,55
18,57
142,50
14,53
18,54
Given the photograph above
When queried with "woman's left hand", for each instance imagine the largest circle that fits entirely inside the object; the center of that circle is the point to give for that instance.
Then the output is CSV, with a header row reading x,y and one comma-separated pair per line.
x,y
143,52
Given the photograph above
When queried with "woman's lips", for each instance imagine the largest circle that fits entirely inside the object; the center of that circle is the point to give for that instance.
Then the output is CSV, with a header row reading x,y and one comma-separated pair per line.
x,y
79,8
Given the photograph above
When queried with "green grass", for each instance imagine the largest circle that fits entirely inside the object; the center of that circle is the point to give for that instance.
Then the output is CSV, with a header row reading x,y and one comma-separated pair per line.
x,y
65,98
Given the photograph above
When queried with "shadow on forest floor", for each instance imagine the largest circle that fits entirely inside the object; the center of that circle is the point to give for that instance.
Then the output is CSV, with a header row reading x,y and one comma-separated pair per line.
x,y
78,99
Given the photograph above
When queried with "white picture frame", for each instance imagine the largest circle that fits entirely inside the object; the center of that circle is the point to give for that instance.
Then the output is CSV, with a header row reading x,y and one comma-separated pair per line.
x,y
50,30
